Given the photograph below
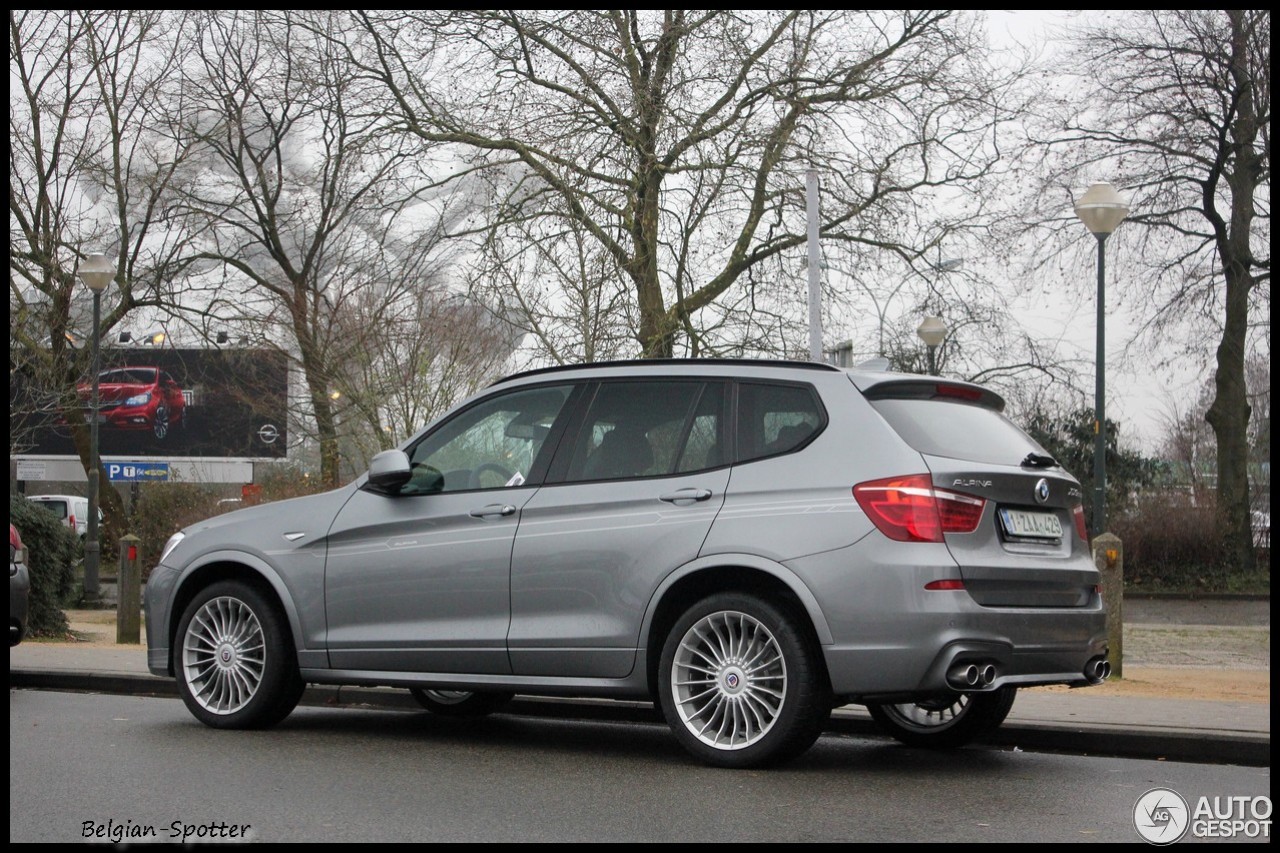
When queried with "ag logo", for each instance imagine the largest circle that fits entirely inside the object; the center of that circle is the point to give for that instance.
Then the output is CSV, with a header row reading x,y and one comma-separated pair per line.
x,y
1161,816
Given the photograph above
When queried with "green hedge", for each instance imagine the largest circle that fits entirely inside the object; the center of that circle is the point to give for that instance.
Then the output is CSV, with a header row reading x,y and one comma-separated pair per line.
x,y
51,554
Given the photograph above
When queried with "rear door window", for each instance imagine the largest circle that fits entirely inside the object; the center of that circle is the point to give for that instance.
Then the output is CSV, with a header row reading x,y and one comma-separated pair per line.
x,y
635,429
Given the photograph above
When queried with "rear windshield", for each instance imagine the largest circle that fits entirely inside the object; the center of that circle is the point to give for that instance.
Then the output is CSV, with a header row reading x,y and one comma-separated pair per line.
x,y
957,430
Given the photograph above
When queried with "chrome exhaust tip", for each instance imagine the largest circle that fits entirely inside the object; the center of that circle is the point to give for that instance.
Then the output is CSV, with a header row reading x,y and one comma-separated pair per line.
x,y
964,675
1097,670
988,675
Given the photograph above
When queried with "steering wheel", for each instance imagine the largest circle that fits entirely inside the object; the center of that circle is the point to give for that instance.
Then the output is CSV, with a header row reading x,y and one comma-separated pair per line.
x,y
476,472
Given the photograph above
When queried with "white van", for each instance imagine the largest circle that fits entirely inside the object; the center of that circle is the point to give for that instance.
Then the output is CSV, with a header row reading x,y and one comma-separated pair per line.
x,y
73,509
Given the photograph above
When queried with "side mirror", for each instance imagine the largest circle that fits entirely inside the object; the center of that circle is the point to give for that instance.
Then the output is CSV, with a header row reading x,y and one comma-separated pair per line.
x,y
388,471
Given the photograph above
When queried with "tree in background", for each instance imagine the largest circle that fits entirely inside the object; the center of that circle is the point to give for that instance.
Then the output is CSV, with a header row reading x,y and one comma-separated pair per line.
x,y
1068,436
320,223
1175,106
91,167
669,147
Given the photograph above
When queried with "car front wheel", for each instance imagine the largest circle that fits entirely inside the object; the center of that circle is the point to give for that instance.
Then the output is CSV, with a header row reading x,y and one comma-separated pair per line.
x,y
741,684
235,659
946,722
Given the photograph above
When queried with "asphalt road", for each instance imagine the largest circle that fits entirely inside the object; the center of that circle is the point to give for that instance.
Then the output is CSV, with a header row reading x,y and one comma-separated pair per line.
x,y
78,762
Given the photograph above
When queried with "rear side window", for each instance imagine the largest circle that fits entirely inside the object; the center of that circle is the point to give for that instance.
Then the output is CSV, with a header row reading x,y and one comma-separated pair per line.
x,y
775,419
957,430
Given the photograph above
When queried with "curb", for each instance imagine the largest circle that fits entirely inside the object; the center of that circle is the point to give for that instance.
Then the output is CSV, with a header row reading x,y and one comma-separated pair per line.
x,y
1195,747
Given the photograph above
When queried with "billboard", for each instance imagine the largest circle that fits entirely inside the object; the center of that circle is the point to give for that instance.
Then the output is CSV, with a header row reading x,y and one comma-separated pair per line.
x,y
153,402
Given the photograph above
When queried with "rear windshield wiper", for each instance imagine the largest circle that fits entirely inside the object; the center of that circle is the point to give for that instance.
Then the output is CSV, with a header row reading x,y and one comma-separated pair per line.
x,y
1039,460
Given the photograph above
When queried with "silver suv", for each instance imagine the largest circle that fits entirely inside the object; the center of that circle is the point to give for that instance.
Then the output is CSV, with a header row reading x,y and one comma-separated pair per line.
x,y
746,543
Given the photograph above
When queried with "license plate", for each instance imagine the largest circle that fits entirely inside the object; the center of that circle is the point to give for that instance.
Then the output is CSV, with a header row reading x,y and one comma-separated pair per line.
x,y
1031,525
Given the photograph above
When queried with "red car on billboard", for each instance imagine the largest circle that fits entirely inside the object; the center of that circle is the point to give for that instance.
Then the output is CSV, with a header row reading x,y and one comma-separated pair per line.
x,y
137,398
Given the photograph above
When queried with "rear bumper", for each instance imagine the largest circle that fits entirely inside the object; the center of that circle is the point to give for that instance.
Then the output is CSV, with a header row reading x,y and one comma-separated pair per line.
x,y
892,637
1025,648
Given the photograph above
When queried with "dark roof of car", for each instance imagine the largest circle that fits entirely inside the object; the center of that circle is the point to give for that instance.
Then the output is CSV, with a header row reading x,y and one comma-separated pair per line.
x,y
674,362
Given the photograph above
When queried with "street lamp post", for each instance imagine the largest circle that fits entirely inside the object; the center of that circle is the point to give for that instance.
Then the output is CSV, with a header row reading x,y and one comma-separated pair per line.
x,y
1101,209
933,332
96,272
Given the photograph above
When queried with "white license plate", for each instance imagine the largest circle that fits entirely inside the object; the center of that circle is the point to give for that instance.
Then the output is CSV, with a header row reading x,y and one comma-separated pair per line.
x,y
1031,525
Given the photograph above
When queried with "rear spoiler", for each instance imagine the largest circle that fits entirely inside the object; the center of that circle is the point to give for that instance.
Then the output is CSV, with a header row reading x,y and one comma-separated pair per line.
x,y
931,388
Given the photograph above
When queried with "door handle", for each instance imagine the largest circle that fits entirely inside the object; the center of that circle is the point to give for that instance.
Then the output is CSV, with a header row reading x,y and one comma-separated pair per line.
x,y
686,496
493,511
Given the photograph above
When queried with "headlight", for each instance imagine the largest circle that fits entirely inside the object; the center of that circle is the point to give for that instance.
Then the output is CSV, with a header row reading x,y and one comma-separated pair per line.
x,y
139,399
171,544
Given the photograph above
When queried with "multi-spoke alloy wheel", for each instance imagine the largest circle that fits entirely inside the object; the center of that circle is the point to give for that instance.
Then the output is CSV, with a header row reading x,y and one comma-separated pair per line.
x,y
945,722
741,685
235,661
460,703
160,424
729,680
223,655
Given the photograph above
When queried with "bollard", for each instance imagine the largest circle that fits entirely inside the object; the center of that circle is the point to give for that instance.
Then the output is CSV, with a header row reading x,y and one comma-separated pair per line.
x,y
1108,558
128,594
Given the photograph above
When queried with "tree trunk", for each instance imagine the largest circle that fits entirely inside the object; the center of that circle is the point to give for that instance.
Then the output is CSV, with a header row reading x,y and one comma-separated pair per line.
x,y
1229,414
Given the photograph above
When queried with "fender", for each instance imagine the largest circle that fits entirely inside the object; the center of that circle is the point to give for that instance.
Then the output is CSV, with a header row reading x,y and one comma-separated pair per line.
x,y
750,561
268,573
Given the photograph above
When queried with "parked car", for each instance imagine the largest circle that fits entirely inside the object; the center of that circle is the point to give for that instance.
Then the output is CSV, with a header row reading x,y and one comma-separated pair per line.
x,y
72,509
748,544
137,398
19,587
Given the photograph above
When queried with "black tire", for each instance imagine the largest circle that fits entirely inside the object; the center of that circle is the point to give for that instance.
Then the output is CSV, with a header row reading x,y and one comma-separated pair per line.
x,y
460,703
235,659
947,722
764,696
160,423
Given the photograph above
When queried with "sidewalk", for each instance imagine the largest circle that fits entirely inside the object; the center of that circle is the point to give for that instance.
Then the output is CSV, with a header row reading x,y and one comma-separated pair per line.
x,y
1198,693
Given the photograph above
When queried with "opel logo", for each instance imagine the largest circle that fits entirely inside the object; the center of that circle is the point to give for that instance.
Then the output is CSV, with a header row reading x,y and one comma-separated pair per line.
x,y
1042,491
268,433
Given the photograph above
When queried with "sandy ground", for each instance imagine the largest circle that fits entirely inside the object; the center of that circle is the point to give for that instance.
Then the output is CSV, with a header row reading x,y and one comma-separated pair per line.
x,y
1163,658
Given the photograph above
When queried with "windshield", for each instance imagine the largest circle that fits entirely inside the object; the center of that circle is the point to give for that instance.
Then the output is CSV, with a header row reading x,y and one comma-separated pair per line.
x,y
146,375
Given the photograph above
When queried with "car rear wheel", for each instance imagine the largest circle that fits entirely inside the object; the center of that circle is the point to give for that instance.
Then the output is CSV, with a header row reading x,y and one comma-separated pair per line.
x,y
741,684
460,703
946,722
236,664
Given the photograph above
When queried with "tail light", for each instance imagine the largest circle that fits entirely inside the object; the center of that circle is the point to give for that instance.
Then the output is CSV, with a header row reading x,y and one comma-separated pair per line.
x,y
1077,512
910,509
71,519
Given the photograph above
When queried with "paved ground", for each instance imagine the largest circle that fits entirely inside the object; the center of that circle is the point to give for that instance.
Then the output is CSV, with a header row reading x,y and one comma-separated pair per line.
x,y
1196,686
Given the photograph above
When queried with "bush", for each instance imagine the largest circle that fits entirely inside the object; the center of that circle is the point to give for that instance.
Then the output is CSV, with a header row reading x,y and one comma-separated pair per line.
x,y
1169,544
165,508
51,549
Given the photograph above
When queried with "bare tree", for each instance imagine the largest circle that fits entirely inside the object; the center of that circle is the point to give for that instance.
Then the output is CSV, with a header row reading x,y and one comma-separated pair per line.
x,y
319,221
675,142
90,169
1176,106
429,353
